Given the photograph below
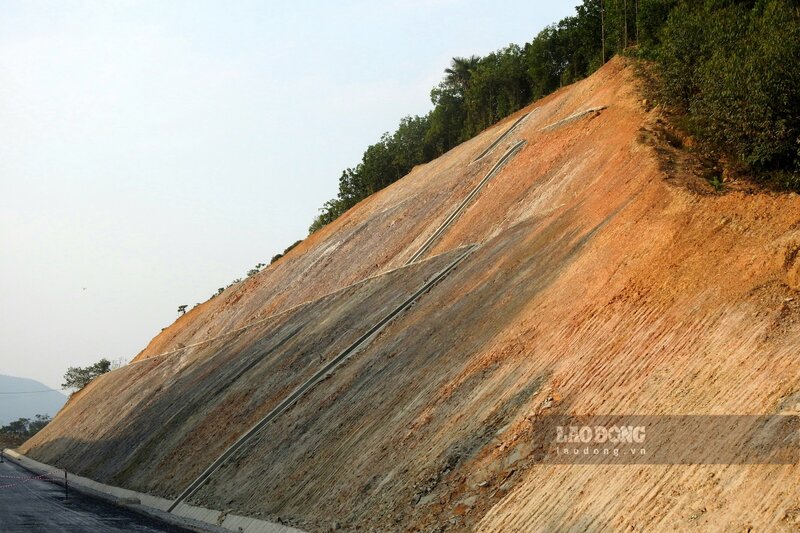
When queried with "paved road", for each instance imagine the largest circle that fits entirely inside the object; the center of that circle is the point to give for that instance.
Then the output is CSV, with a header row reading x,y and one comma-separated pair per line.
x,y
31,505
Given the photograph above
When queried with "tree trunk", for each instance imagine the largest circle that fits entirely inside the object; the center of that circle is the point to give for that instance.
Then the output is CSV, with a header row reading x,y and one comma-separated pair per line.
x,y
625,17
603,29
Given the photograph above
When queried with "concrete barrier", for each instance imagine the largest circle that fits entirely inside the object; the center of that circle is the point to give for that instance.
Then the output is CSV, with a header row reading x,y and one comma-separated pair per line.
x,y
190,517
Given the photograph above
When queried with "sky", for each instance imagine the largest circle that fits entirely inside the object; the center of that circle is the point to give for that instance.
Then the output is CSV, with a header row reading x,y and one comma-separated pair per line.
x,y
153,151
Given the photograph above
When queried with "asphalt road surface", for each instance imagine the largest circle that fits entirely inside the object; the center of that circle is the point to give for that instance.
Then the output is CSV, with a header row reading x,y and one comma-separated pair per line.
x,y
28,505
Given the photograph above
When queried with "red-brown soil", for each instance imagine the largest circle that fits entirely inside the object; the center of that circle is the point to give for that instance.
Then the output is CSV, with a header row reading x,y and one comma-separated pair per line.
x,y
610,279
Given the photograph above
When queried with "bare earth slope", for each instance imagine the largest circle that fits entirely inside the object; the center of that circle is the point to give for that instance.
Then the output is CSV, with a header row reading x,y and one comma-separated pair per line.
x,y
607,280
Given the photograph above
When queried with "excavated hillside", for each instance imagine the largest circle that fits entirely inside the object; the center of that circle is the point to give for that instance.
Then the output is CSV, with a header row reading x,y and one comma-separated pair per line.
x,y
606,279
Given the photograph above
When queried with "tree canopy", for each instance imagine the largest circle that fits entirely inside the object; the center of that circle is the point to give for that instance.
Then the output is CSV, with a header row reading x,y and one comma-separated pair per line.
x,y
78,377
730,65
25,427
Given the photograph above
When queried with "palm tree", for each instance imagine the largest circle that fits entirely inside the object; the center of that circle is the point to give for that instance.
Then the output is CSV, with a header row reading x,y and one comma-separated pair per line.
x,y
460,72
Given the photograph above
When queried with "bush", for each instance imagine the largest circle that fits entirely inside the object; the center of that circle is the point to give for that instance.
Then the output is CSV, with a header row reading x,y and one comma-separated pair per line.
x,y
78,377
733,67
25,428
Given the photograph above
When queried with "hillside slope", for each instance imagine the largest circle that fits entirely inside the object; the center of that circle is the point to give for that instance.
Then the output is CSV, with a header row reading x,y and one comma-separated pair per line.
x,y
607,280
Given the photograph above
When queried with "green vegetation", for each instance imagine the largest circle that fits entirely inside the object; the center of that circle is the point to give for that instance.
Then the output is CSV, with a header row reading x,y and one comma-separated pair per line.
x,y
78,377
256,269
730,66
733,68
23,428
286,251
250,273
477,91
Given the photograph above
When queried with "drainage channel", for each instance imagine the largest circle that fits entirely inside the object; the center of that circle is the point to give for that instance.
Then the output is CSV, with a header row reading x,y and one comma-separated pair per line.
x,y
505,134
458,210
362,341
318,377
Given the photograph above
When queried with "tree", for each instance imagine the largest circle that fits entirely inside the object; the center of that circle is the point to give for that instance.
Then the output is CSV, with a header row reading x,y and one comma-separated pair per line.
x,y
25,427
499,86
603,30
255,270
460,72
292,246
77,377
446,121
729,65
18,427
625,24
37,424
651,17
182,309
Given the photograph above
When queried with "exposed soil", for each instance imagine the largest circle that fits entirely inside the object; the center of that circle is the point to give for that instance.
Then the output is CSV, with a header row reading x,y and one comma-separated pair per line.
x,y
611,278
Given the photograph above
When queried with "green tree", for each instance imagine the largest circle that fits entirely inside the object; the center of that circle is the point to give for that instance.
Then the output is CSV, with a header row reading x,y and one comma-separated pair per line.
x,y
732,67
445,121
651,17
685,47
78,377
37,424
499,86
25,427
255,270
18,427
459,73
729,65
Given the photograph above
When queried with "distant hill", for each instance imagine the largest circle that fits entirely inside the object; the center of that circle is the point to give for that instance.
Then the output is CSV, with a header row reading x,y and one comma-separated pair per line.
x,y
26,404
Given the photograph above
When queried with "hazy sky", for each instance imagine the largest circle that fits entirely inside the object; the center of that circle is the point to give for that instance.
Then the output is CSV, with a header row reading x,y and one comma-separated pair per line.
x,y
152,151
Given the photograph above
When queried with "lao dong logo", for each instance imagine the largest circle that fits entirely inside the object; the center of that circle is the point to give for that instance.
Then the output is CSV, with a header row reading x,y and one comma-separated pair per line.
x,y
600,434
600,440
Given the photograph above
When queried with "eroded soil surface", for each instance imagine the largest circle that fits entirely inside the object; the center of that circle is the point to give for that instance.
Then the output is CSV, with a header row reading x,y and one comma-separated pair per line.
x,y
609,279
